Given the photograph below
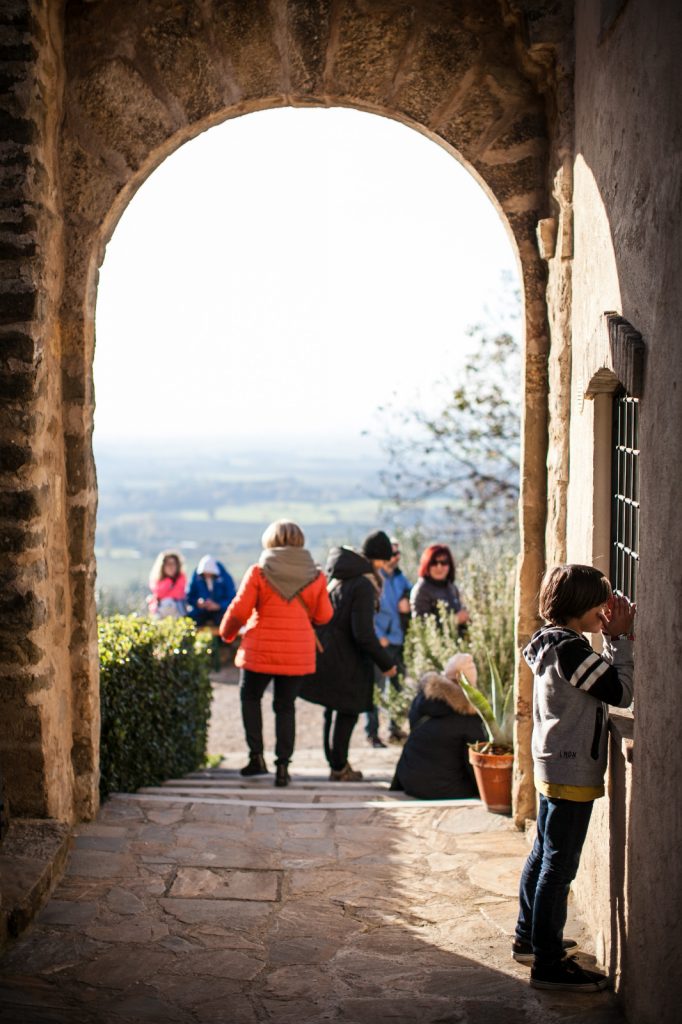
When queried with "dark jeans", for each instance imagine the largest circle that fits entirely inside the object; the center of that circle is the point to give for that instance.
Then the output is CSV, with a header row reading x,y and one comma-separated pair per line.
x,y
372,717
252,686
338,729
548,873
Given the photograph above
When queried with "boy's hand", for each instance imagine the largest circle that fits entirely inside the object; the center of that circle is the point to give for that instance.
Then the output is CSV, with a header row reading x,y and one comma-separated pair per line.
x,y
620,616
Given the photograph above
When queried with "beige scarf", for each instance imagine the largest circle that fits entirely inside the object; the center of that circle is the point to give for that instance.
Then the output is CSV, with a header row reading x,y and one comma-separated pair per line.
x,y
288,570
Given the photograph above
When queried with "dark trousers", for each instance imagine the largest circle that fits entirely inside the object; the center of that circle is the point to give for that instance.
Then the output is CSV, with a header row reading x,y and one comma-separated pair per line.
x,y
548,873
338,729
372,717
252,686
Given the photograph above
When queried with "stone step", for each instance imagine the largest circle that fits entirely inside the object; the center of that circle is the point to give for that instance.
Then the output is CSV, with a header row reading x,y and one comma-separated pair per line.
x,y
32,858
286,800
307,794
267,782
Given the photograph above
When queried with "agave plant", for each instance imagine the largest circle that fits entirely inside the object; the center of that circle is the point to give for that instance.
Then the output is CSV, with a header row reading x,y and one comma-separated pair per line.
x,y
497,713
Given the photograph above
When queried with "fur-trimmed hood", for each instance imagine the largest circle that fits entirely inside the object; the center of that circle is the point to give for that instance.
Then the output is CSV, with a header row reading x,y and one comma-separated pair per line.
x,y
437,687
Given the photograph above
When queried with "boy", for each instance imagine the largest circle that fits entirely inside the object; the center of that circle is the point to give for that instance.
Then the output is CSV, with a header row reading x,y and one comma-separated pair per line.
x,y
573,688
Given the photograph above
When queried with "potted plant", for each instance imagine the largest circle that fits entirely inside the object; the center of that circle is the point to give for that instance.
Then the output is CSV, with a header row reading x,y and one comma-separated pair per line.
x,y
491,759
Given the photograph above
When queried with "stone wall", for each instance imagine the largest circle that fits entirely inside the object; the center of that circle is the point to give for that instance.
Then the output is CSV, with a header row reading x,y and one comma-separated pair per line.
x,y
131,82
36,619
628,241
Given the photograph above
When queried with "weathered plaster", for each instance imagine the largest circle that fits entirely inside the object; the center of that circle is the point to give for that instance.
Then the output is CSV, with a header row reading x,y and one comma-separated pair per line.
x,y
628,240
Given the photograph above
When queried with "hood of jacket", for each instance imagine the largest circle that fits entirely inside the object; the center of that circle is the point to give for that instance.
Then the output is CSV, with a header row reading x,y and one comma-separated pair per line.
x,y
288,570
346,564
437,687
544,640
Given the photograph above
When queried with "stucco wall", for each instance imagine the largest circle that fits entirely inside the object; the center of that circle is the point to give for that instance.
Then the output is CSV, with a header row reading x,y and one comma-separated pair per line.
x,y
628,246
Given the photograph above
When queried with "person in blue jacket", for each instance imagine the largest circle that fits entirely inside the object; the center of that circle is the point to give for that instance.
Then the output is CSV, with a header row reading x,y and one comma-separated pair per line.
x,y
389,626
211,590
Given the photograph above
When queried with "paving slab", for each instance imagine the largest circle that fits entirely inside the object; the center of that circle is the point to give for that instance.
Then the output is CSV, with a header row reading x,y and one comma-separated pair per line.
x,y
318,903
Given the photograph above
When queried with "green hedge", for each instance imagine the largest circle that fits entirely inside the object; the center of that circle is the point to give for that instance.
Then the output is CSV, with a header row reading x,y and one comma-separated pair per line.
x,y
156,700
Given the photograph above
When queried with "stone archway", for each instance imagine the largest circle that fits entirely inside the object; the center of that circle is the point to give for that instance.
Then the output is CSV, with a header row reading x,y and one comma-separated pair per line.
x,y
128,83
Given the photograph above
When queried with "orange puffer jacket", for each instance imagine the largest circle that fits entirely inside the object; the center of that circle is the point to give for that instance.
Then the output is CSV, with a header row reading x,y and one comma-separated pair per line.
x,y
278,638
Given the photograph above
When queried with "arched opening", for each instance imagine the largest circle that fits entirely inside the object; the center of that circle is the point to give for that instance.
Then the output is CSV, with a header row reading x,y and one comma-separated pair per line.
x,y
262,310
138,82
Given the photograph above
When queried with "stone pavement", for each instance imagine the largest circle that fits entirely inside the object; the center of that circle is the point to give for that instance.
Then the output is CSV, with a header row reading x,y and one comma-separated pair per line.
x,y
219,900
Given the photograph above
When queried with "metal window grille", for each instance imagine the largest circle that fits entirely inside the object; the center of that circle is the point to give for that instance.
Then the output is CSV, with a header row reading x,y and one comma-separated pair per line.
x,y
625,500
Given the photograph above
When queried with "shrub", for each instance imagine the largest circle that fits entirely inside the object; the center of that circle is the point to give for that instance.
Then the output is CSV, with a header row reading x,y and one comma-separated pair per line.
x,y
487,578
155,700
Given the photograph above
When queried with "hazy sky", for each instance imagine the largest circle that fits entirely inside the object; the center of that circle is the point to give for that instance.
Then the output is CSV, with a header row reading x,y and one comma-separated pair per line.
x,y
284,274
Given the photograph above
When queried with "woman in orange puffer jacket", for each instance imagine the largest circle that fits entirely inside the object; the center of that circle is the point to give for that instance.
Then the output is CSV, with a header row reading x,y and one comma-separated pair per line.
x,y
277,603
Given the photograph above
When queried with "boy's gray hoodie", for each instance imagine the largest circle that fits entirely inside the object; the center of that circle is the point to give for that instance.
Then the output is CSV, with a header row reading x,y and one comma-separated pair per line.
x,y
573,688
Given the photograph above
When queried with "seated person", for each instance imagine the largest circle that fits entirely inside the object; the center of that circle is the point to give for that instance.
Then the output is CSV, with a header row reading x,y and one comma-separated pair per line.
x,y
210,592
168,583
434,764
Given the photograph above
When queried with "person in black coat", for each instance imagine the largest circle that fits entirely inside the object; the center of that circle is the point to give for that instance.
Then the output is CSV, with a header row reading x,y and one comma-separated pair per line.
x,y
434,764
344,678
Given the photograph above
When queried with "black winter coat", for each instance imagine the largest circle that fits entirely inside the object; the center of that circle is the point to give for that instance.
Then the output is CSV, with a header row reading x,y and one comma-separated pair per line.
x,y
344,677
434,764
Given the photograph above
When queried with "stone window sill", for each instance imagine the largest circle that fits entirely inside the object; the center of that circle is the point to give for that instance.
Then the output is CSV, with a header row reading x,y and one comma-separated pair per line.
x,y
621,725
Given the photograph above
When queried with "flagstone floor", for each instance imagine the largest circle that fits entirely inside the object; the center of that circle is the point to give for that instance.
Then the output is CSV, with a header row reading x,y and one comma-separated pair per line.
x,y
219,900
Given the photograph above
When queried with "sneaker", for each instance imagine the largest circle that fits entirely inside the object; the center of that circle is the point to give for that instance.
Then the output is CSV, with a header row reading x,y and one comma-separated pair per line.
x,y
346,774
256,766
567,975
522,950
375,742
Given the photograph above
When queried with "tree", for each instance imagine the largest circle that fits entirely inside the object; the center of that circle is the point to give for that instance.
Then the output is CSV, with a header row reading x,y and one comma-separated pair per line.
x,y
467,453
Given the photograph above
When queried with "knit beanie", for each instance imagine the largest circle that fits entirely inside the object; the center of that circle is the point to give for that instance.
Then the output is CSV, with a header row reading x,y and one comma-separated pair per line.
x,y
377,545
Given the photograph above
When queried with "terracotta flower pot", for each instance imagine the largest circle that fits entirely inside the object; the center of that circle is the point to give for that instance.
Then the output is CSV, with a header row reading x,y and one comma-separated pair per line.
x,y
493,773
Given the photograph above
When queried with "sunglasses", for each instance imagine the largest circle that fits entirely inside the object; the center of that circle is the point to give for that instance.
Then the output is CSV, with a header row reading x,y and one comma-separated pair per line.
x,y
440,561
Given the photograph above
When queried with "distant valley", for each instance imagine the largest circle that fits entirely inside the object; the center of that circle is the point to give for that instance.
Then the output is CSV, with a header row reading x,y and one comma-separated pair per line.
x,y
200,500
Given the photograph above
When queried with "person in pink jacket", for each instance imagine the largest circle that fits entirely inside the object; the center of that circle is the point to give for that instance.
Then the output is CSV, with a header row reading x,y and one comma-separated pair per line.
x,y
168,585
278,602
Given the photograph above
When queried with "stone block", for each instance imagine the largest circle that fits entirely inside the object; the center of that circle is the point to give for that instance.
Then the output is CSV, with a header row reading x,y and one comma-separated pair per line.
x,y
100,864
17,306
21,611
121,968
142,928
17,539
443,62
224,884
246,35
17,129
23,504
242,915
68,913
174,44
221,963
20,651
366,56
308,28
14,457
17,345
32,858
122,111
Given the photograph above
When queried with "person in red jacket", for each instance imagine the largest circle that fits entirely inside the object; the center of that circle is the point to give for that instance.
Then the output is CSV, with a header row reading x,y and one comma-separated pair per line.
x,y
278,602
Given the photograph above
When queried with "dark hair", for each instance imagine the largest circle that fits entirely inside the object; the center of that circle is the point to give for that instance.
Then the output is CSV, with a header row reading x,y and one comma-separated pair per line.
x,y
429,556
568,591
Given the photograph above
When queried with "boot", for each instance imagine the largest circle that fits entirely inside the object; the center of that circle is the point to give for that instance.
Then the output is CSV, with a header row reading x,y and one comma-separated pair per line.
x,y
256,766
282,777
345,774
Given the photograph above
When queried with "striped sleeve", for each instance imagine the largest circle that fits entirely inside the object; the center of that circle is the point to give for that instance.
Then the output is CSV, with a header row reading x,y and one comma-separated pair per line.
x,y
588,671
